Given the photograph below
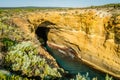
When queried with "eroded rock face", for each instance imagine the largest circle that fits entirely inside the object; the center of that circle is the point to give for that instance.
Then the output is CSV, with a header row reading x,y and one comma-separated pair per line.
x,y
97,49
91,37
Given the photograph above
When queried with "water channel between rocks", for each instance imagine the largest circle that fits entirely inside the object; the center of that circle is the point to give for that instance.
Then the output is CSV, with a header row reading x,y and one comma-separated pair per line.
x,y
73,66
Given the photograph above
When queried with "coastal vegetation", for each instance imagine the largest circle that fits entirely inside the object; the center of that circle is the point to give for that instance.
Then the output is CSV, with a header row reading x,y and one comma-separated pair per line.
x,y
22,55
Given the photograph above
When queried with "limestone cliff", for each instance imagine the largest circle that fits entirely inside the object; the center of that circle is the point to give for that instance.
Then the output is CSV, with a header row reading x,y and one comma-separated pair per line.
x,y
89,36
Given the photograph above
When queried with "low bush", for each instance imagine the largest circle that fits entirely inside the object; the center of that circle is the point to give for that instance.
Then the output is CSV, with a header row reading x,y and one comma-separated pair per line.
x,y
6,75
24,59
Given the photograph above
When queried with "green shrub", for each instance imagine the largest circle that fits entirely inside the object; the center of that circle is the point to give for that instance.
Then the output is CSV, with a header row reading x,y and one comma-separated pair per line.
x,y
81,77
86,77
108,78
6,75
13,33
24,58
7,43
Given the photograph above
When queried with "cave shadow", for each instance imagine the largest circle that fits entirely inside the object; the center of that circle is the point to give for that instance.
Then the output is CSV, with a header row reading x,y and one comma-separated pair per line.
x,y
42,32
116,37
116,40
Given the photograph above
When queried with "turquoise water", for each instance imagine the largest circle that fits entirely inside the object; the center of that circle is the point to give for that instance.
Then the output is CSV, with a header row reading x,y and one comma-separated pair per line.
x,y
74,66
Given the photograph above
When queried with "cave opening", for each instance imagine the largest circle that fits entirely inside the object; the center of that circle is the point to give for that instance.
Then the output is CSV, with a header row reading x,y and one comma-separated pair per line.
x,y
42,34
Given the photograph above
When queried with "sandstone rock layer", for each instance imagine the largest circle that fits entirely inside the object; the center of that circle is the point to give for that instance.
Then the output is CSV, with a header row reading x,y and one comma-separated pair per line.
x,y
90,36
